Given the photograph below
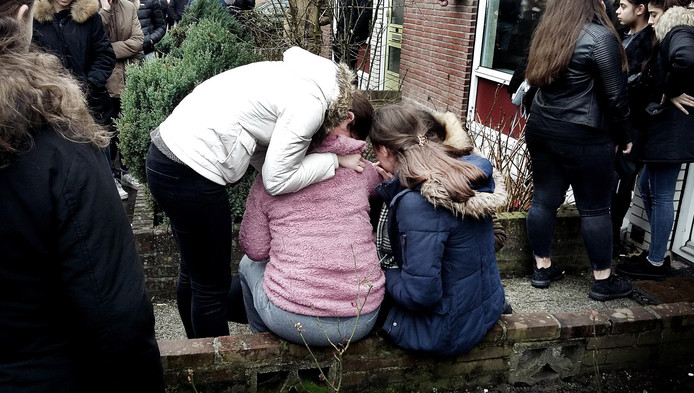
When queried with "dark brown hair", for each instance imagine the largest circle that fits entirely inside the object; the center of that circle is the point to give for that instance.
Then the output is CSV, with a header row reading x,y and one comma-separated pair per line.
x,y
363,115
397,128
637,3
36,91
676,3
556,35
359,127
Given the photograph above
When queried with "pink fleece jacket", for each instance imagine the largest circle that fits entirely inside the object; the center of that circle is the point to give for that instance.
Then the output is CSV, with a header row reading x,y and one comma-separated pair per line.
x,y
319,241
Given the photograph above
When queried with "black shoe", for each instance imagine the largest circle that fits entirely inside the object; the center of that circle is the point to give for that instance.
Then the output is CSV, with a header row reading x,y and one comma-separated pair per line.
x,y
612,287
543,276
507,308
639,267
621,250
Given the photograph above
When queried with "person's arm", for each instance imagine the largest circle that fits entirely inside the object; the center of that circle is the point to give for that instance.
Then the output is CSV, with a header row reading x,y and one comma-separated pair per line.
x,y
158,27
417,286
611,81
100,274
681,58
254,235
287,168
104,57
133,44
373,178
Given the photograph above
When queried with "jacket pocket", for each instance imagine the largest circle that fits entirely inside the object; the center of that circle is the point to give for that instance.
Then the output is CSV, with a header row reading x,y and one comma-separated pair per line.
x,y
239,146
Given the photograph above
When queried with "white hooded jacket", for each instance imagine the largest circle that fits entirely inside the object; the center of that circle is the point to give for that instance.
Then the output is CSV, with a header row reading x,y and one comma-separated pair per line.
x,y
263,114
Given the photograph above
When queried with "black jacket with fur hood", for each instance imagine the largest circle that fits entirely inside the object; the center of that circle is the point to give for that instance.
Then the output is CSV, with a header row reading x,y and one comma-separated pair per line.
x,y
670,136
78,38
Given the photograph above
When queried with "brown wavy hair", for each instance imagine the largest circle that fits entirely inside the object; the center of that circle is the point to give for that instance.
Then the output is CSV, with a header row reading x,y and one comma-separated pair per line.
x,y
556,34
36,91
396,127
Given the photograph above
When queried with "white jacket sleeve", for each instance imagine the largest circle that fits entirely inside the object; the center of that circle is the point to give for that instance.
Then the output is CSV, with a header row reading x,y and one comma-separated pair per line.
x,y
287,168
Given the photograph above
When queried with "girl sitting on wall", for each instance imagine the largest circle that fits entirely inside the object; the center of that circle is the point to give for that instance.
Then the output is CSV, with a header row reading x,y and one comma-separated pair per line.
x,y
444,284
311,268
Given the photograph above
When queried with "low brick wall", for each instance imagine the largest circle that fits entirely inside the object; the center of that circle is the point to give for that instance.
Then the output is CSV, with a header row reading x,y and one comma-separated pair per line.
x,y
521,348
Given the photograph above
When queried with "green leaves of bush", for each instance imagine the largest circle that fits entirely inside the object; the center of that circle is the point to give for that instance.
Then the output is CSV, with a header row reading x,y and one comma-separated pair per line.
x,y
204,44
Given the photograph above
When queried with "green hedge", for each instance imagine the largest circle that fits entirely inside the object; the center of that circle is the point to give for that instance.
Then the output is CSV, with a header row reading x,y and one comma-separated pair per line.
x,y
202,45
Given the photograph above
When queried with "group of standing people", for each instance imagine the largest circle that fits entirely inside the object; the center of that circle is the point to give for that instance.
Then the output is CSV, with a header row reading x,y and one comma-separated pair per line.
x,y
601,95
95,40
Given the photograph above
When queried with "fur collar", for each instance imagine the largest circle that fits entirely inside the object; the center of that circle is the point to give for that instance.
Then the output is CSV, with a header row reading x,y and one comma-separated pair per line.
x,y
339,108
456,136
675,16
482,203
80,10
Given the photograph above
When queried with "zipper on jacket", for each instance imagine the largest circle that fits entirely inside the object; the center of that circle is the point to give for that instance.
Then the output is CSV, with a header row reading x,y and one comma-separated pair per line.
x,y
403,246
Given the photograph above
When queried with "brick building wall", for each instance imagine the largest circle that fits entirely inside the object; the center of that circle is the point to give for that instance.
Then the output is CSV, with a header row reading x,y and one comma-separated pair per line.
x,y
437,51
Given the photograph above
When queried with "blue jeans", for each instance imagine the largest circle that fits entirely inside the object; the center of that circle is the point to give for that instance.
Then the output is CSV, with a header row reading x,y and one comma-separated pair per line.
x,y
589,170
657,186
201,223
265,316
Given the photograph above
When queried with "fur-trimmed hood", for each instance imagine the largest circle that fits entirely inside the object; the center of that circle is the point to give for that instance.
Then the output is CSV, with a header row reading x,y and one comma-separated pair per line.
x,y
456,136
80,10
336,81
487,199
675,16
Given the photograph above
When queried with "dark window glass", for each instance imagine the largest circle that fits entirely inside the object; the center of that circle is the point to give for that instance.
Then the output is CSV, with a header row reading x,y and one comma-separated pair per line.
x,y
394,59
508,29
397,15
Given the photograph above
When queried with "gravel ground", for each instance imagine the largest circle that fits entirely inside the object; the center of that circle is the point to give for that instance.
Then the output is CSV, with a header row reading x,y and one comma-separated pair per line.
x,y
168,324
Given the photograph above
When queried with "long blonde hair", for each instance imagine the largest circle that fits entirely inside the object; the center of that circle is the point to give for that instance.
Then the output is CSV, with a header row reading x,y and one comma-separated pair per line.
x,y
398,128
36,91
555,38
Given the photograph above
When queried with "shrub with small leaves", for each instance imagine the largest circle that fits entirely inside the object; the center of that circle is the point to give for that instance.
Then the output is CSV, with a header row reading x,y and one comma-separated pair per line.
x,y
153,89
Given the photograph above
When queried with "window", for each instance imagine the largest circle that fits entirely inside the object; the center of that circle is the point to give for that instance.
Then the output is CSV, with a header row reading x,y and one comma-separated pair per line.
x,y
508,29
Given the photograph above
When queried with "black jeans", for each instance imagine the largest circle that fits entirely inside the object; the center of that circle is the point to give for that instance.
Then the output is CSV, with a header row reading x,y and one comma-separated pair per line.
x,y
201,223
589,170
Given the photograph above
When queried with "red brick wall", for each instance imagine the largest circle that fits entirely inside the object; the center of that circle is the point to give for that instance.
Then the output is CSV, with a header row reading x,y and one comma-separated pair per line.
x,y
437,49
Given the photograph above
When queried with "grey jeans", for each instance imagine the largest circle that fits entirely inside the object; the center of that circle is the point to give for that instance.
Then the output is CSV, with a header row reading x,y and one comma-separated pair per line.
x,y
264,316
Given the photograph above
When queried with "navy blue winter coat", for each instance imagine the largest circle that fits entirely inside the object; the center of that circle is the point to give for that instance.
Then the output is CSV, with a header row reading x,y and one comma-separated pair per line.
x,y
447,292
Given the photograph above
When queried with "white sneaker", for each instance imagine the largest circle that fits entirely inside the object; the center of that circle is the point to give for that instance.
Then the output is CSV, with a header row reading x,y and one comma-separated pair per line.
x,y
123,194
128,180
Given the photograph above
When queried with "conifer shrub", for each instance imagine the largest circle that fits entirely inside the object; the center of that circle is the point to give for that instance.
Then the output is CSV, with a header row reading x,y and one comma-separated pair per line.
x,y
154,88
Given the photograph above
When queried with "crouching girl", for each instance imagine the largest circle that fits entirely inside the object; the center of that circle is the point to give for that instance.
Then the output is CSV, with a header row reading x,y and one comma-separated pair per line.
x,y
445,290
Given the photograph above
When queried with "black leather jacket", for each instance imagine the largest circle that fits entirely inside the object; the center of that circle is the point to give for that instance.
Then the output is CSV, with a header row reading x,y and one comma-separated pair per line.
x,y
593,90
